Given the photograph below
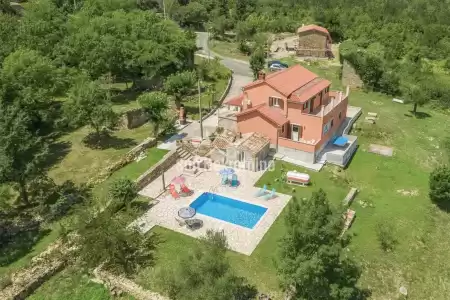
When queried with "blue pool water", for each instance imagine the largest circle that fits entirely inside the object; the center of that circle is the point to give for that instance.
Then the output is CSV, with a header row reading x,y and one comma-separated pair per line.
x,y
229,210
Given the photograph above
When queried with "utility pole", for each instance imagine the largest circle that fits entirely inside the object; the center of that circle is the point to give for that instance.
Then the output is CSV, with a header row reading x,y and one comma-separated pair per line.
x,y
200,109
164,8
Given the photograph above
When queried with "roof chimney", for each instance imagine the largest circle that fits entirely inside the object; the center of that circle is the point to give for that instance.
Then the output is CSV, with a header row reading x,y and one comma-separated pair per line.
x,y
261,75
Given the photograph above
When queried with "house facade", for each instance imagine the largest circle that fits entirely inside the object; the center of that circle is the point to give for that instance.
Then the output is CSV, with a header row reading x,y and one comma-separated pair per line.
x,y
314,41
294,108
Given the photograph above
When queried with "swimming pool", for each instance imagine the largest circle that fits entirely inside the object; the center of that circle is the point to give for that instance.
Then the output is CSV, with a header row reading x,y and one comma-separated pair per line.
x,y
228,209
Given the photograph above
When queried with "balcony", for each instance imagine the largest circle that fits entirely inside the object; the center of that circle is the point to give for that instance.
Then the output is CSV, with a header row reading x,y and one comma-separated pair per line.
x,y
335,99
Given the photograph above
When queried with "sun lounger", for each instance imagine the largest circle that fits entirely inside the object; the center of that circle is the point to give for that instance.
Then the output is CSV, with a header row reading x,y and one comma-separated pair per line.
x,y
234,181
173,192
270,196
185,191
261,191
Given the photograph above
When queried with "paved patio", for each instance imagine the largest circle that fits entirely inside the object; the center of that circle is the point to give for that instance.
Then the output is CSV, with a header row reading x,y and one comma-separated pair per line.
x,y
240,239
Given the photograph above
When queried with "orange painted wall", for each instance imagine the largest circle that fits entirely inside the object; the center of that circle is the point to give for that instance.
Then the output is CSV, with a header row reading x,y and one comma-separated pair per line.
x,y
334,114
260,94
288,143
312,126
253,122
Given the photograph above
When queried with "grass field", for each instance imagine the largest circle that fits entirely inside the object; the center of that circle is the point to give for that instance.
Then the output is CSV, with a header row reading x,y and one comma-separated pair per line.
x,y
393,192
72,284
227,49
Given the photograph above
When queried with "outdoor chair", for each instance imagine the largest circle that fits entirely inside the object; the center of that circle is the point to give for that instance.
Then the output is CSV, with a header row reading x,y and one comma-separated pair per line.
x,y
261,192
271,195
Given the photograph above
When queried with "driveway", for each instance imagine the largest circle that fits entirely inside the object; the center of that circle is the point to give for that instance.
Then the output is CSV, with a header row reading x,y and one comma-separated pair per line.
x,y
242,75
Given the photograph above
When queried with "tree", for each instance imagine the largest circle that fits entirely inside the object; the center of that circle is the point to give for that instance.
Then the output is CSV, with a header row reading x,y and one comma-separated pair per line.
x,y
8,33
89,104
192,15
205,274
415,94
127,44
155,104
30,81
312,264
107,240
22,153
440,187
42,27
123,190
180,85
257,61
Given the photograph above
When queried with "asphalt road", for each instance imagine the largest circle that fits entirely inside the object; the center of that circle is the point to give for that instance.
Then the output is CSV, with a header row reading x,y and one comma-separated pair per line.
x,y
239,67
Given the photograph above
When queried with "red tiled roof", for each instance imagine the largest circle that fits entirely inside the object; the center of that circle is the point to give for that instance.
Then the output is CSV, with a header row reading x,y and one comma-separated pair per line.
x,y
288,80
303,95
313,27
272,113
235,101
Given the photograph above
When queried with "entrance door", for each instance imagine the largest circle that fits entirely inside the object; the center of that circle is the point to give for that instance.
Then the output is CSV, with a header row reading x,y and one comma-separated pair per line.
x,y
295,132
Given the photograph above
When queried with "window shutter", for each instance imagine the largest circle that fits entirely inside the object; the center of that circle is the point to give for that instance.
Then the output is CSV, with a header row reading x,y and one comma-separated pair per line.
x,y
270,101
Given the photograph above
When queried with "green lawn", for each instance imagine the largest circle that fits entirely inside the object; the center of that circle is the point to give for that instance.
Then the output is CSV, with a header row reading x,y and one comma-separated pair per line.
x,y
79,163
72,284
227,49
420,229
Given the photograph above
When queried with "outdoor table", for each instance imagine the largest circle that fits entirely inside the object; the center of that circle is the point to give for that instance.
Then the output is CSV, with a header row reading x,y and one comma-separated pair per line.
x,y
186,212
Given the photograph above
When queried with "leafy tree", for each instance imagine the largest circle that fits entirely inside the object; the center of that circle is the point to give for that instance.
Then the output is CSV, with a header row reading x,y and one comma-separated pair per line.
x,y
89,104
107,240
6,8
205,274
123,190
128,45
8,33
180,85
148,4
42,27
29,81
312,264
22,153
440,187
155,105
194,14
244,8
257,61
414,94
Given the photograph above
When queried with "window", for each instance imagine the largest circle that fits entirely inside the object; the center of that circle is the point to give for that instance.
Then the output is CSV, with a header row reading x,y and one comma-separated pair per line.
x,y
241,156
306,105
282,129
340,115
273,101
331,123
326,127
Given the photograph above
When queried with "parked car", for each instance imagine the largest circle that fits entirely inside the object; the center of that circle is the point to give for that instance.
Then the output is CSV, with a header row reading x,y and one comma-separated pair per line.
x,y
276,65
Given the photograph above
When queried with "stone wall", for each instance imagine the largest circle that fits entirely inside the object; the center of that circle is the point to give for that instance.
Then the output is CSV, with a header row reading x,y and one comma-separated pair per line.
x,y
350,77
165,163
125,285
312,44
124,160
307,157
134,118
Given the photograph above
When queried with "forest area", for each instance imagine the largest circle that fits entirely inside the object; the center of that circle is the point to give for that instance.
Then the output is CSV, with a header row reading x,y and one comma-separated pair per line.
x,y
67,69
400,48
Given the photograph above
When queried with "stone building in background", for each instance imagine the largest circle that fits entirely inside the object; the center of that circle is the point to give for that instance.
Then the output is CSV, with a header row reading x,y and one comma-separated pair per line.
x,y
314,41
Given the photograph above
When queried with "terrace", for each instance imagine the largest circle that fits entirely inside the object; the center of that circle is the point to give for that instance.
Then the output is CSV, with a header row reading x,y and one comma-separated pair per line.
x,y
241,239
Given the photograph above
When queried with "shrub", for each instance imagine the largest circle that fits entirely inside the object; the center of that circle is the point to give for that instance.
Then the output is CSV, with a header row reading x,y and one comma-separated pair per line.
x,y
123,190
385,234
5,280
440,187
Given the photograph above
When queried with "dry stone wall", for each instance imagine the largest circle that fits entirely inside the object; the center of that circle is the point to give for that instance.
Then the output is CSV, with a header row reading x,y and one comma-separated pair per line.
x,y
165,163
134,118
312,45
350,77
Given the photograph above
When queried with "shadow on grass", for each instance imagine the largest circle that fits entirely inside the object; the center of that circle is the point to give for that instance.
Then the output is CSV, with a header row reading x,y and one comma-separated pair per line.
x,y
106,141
19,242
126,96
419,114
57,151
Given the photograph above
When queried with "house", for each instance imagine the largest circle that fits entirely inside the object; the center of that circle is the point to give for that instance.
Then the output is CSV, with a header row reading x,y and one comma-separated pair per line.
x,y
295,109
314,41
246,151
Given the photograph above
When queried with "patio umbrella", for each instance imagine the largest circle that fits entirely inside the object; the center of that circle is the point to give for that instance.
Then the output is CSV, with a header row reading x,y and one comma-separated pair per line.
x,y
226,171
186,212
178,180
